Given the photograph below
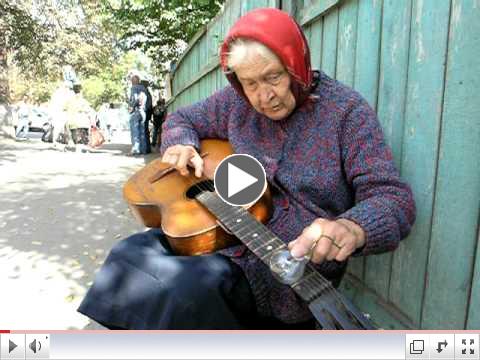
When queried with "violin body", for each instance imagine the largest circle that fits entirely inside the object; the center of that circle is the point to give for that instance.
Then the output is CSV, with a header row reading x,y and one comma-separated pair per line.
x,y
160,197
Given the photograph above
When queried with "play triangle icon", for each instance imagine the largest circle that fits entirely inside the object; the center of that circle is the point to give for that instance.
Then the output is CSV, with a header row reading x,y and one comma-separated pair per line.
x,y
238,180
11,346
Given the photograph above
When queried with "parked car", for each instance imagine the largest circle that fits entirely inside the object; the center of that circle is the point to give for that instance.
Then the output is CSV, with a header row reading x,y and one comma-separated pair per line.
x,y
39,119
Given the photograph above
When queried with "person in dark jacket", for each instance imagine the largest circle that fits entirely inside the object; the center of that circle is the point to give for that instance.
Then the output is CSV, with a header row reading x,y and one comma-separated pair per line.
x,y
159,113
146,147
336,192
137,106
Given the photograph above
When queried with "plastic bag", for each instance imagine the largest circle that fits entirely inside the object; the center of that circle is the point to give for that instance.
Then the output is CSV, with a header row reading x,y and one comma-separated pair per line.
x,y
96,138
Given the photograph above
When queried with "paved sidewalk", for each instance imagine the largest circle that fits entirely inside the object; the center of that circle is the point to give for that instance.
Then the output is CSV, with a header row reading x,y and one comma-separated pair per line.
x,y
60,213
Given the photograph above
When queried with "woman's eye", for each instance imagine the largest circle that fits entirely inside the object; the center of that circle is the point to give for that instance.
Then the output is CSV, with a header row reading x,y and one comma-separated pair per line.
x,y
273,78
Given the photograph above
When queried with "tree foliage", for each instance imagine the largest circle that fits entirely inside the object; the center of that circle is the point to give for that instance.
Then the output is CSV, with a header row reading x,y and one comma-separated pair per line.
x,y
161,28
94,37
110,83
20,31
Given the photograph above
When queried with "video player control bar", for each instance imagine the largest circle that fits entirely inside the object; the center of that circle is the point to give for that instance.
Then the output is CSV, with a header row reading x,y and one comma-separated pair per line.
x,y
346,345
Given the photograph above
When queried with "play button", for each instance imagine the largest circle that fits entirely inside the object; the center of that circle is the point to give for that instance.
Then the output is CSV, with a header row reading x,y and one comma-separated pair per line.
x,y
11,346
240,179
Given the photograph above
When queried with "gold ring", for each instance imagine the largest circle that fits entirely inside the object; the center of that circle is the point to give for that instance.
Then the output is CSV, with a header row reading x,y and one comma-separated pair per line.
x,y
332,240
315,242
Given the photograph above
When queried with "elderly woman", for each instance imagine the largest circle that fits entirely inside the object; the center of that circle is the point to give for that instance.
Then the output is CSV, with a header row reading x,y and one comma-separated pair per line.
x,y
335,188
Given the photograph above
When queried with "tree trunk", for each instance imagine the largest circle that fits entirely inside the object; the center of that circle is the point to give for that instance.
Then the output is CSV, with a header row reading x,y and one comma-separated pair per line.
x,y
4,91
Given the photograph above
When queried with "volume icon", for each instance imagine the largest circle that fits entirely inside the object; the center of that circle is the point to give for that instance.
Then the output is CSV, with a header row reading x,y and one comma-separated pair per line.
x,y
35,346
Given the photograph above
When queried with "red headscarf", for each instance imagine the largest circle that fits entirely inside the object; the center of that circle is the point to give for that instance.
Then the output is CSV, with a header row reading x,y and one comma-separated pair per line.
x,y
281,34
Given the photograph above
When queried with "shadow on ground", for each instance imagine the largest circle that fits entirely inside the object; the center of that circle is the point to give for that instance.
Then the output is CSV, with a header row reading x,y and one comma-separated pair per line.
x,y
60,215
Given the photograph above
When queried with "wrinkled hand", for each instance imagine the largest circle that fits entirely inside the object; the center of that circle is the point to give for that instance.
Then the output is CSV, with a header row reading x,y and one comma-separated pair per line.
x,y
328,240
179,156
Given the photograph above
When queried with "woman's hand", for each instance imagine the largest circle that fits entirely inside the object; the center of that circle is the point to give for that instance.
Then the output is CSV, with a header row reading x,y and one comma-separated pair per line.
x,y
179,156
328,240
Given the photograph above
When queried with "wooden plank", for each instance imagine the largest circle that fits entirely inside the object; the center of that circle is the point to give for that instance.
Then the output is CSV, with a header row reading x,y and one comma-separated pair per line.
x,y
217,36
307,32
383,314
344,68
382,76
329,43
200,33
188,66
228,17
179,75
367,57
219,75
426,69
202,56
196,94
313,10
274,3
456,213
289,7
347,37
315,42
209,68
212,82
473,316
236,11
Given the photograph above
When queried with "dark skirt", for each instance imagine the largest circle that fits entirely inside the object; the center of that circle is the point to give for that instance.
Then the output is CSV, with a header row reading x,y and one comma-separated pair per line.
x,y
80,136
142,285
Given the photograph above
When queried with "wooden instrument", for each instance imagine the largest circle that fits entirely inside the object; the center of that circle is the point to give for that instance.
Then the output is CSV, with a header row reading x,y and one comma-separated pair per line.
x,y
160,197
197,221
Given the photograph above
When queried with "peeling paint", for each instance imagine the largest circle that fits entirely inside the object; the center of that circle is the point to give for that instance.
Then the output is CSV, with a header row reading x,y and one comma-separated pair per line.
x,y
421,49
419,42
419,10
394,51
347,35
456,13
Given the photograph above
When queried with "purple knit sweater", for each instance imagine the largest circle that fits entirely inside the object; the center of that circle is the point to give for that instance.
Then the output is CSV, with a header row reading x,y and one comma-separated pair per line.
x,y
328,159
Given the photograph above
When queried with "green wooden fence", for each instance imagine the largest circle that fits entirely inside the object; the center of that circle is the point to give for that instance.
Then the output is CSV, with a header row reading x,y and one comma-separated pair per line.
x,y
417,63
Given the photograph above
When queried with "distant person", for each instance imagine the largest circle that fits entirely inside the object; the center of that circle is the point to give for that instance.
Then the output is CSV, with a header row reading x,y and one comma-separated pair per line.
x,y
23,119
106,119
59,99
109,121
137,108
69,76
148,117
80,117
159,112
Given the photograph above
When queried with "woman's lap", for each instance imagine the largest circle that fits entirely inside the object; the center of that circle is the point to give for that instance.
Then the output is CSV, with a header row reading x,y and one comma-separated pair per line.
x,y
142,286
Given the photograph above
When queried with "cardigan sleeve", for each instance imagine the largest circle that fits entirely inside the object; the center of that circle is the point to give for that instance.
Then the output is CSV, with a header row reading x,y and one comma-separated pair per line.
x,y
204,119
384,205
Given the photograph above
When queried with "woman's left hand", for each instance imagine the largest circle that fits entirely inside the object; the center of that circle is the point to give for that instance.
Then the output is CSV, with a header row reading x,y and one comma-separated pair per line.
x,y
328,240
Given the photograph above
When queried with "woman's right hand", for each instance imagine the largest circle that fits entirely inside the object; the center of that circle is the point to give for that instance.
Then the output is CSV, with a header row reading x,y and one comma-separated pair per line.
x,y
179,156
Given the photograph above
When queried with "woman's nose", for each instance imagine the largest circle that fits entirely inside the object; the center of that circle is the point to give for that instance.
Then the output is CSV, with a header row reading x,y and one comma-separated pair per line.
x,y
266,93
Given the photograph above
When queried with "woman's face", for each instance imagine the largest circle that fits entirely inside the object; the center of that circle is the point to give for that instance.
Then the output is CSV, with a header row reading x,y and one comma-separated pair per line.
x,y
266,84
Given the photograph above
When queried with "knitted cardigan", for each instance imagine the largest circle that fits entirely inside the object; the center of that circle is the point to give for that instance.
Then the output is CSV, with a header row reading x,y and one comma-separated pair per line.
x,y
328,159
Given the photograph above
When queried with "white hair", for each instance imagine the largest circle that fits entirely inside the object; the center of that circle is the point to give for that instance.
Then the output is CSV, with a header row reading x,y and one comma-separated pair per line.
x,y
243,50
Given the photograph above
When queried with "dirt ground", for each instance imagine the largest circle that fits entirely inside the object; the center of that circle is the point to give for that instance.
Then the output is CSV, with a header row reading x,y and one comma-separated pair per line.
x,y
60,213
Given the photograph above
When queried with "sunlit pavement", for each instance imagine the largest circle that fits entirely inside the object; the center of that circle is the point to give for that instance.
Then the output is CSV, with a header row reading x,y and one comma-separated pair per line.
x,y
60,214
